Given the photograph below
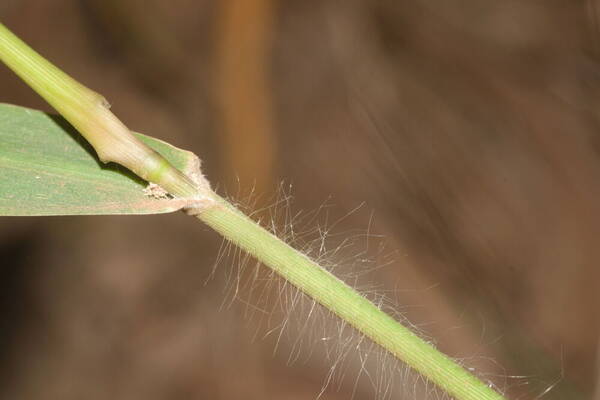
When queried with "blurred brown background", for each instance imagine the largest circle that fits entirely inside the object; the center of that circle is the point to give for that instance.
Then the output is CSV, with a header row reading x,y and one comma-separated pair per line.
x,y
469,129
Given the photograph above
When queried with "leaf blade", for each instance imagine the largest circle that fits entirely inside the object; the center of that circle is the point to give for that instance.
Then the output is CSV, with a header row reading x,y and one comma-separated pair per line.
x,y
47,168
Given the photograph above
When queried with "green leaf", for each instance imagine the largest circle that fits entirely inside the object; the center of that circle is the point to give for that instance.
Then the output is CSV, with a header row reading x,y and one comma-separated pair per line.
x,y
47,168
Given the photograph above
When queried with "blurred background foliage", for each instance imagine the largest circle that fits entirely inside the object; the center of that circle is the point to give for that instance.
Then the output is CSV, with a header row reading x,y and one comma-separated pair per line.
x,y
469,129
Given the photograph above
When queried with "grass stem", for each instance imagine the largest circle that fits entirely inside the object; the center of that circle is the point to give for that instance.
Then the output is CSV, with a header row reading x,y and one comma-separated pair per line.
x,y
88,112
346,303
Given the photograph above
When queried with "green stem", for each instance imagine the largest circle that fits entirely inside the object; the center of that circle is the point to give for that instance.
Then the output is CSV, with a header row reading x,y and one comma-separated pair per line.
x,y
346,303
88,112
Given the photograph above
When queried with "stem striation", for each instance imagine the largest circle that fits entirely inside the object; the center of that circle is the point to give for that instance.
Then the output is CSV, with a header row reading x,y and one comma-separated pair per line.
x,y
346,303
